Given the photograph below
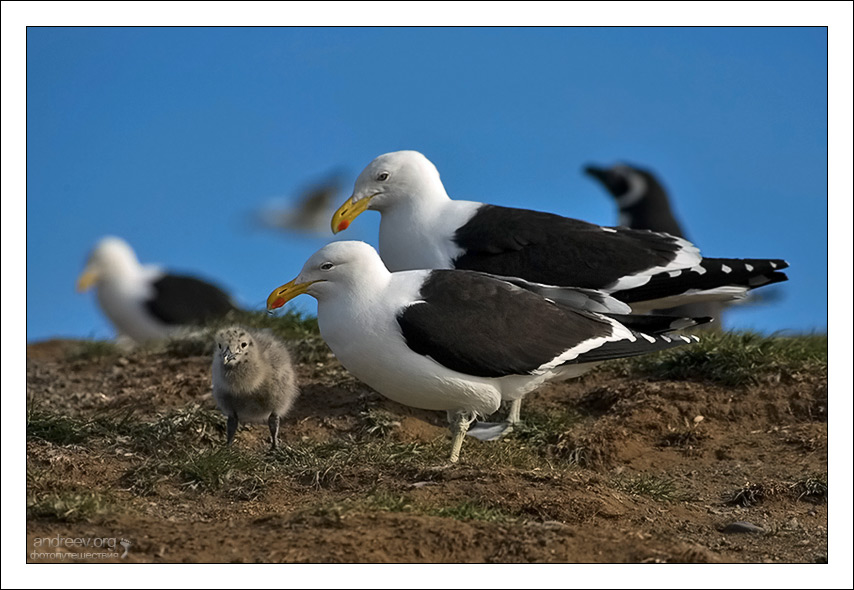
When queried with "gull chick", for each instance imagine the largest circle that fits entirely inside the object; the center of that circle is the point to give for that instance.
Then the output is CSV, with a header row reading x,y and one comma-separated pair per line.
x,y
253,379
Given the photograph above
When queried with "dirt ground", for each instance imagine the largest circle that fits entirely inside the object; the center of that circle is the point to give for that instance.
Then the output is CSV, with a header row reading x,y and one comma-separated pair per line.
x,y
608,468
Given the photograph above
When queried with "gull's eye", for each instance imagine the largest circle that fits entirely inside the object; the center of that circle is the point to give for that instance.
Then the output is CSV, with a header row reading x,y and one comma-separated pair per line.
x,y
382,176
219,346
326,266
242,345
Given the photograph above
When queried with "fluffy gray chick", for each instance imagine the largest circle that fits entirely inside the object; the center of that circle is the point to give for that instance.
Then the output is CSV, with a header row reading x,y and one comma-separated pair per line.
x,y
253,379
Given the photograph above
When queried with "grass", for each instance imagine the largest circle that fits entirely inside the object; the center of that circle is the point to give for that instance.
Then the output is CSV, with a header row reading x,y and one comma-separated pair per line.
x,y
87,350
190,425
472,510
733,359
751,494
57,429
387,501
587,449
809,489
215,469
683,438
377,422
321,464
70,506
382,500
659,488
540,429
812,489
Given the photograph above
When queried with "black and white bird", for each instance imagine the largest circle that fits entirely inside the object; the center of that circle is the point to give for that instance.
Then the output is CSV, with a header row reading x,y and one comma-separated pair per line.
x,y
253,379
422,227
457,341
640,196
143,302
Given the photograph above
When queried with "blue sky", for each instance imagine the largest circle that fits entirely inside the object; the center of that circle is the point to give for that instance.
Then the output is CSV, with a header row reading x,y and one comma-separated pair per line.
x,y
170,137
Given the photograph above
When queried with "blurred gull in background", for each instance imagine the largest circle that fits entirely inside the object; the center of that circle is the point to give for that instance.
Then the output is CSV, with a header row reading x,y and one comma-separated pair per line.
x,y
143,302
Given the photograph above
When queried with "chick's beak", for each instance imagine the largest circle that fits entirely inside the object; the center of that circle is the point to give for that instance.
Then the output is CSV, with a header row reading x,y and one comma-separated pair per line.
x,y
227,356
349,211
287,292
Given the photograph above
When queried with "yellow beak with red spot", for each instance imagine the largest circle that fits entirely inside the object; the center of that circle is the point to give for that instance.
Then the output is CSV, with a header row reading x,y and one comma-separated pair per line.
x,y
349,211
287,292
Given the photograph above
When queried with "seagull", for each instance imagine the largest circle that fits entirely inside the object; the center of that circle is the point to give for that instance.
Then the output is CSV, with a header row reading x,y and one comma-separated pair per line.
x,y
452,340
422,227
143,302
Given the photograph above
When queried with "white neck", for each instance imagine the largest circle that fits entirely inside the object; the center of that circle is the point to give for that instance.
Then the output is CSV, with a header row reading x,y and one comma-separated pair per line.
x,y
420,235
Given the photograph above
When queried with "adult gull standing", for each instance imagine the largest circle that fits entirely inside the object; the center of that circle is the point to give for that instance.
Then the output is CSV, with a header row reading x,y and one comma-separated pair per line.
x,y
457,341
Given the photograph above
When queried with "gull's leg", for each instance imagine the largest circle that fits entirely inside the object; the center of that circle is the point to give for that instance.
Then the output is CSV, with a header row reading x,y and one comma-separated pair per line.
x,y
231,428
273,422
460,422
513,414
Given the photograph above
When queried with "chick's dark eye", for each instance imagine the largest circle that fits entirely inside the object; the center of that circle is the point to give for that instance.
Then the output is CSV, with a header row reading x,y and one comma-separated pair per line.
x,y
326,266
382,176
242,345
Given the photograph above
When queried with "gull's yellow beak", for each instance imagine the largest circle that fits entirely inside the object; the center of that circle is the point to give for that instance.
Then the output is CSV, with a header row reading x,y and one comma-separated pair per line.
x,y
349,211
287,292
86,279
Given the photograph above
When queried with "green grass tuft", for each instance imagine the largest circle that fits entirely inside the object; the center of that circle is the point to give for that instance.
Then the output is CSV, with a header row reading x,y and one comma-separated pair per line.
x,y
69,506
659,488
732,359
389,501
321,464
58,429
190,426
88,350
214,468
378,423
540,429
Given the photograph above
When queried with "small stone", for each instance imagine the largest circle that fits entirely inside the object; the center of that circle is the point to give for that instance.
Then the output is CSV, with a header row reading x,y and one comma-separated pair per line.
x,y
698,419
421,484
742,526
792,524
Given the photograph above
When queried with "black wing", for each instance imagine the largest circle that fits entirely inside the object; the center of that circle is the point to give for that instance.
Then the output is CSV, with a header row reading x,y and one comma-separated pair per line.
x,y
182,300
555,250
478,325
